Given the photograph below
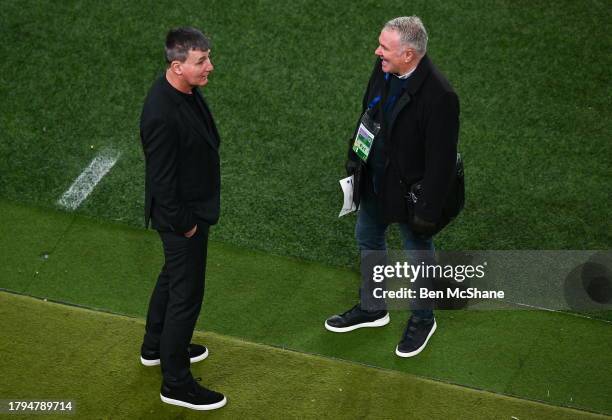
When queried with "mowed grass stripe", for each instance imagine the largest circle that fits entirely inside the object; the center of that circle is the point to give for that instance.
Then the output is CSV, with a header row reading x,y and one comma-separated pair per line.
x,y
58,351
279,301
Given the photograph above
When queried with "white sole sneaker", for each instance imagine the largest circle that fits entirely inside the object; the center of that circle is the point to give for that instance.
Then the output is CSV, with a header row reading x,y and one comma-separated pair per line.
x,y
193,406
420,349
199,358
156,362
149,362
378,323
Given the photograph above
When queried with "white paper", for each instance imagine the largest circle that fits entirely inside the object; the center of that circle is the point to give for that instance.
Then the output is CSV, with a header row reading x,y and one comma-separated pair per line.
x,y
347,188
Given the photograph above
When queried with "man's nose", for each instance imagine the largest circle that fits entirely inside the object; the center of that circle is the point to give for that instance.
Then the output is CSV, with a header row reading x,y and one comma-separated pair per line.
x,y
378,51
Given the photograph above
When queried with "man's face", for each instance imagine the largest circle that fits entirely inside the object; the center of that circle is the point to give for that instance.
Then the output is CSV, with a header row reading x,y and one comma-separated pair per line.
x,y
395,57
196,68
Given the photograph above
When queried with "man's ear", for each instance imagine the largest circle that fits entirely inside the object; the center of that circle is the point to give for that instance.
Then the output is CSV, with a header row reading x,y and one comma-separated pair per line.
x,y
409,55
176,67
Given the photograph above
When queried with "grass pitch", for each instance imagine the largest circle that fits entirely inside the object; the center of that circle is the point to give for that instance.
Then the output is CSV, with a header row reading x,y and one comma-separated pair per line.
x,y
92,359
551,357
533,79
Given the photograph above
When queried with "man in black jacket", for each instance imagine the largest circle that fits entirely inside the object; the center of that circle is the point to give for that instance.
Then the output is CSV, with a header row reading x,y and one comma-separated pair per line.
x,y
180,143
418,113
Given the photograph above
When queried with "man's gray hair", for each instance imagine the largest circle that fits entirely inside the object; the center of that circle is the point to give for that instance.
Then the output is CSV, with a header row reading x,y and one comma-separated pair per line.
x,y
180,41
411,30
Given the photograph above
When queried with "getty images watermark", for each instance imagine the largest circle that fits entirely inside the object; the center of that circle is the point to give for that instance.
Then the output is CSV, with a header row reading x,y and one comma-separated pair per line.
x,y
432,272
557,280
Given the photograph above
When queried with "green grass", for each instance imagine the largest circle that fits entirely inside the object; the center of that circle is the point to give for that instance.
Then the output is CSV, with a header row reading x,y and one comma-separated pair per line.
x,y
533,80
91,358
551,357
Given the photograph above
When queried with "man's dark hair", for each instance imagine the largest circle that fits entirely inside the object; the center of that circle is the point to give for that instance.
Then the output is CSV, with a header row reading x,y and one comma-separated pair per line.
x,y
180,41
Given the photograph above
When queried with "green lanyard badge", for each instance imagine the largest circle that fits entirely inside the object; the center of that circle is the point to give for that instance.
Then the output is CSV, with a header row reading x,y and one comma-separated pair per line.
x,y
367,131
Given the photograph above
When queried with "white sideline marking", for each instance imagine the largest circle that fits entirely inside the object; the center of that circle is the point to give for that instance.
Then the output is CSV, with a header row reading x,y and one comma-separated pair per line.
x,y
562,312
89,178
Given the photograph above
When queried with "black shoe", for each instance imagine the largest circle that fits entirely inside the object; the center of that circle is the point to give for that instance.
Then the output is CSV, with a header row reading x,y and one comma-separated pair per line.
x,y
356,318
193,396
196,353
415,338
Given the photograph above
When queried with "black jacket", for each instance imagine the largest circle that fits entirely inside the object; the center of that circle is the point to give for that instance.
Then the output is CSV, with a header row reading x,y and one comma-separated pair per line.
x,y
420,142
181,147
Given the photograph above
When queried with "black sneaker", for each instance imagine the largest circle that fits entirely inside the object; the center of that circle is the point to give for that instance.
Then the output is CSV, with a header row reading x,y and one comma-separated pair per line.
x,y
356,318
415,338
193,396
196,353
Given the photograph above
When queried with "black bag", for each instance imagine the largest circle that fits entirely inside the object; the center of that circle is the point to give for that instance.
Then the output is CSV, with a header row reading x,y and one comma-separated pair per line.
x,y
455,199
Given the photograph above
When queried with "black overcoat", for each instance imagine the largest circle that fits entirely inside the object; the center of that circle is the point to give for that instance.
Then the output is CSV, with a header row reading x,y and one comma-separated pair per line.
x,y
420,142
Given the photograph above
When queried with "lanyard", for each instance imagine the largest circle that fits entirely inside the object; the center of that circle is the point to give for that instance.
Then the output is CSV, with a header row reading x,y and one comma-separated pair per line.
x,y
374,101
377,99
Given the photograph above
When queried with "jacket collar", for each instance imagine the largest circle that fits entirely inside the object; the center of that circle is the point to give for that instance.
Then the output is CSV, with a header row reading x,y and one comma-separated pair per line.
x,y
413,85
420,73
176,96
213,128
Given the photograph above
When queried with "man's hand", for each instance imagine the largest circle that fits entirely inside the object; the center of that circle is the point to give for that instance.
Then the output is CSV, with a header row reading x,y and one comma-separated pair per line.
x,y
422,227
192,232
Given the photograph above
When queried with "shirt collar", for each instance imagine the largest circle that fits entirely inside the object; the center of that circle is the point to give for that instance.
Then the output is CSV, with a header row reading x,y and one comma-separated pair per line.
x,y
406,75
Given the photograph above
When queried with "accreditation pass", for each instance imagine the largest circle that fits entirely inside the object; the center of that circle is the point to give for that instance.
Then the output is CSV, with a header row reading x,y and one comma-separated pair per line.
x,y
363,142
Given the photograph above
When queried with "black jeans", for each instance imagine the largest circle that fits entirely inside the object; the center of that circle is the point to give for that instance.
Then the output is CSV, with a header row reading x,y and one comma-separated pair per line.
x,y
176,301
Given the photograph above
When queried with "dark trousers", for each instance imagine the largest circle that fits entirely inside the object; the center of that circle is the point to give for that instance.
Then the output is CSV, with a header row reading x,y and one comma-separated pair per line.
x,y
175,303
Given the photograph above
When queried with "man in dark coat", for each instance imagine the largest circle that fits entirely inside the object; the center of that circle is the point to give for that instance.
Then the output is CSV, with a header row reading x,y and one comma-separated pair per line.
x,y
180,143
418,114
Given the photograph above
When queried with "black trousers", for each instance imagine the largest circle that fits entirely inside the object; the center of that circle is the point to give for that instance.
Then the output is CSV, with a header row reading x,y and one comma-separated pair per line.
x,y
176,302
